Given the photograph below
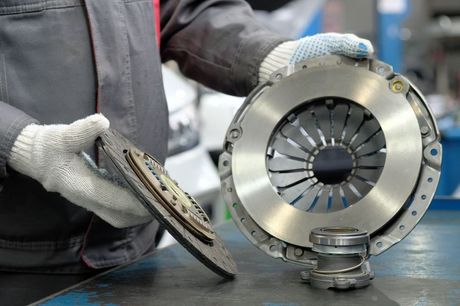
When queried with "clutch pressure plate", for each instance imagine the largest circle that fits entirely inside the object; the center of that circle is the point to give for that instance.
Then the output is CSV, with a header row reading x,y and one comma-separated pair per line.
x,y
330,142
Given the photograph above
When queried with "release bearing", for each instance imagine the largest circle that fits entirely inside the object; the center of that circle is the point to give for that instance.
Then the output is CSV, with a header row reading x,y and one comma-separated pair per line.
x,y
342,258
330,142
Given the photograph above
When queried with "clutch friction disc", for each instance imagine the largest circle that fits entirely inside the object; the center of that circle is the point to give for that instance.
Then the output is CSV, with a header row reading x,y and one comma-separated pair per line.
x,y
175,209
331,141
168,193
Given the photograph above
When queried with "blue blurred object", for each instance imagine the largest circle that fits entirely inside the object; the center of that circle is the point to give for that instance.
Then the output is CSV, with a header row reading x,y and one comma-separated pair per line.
x,y
445,203
391,13
315,26
450,173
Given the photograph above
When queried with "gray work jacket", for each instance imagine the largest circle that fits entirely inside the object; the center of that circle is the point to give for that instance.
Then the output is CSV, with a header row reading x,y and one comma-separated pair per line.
x,y
61,60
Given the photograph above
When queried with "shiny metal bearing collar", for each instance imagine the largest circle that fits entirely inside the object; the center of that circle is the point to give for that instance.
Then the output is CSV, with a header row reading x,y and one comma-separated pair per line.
x,y
342,258
279,172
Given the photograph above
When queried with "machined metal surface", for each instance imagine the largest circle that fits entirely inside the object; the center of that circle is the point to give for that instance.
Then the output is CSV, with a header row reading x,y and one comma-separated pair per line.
x,y
342,258
330,142
181,215
338,236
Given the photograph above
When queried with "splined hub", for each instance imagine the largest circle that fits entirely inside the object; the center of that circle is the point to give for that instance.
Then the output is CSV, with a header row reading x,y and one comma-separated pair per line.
x,y
330,142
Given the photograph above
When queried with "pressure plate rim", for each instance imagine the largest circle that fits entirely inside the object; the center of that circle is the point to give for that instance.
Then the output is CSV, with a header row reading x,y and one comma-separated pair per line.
x,y
250,178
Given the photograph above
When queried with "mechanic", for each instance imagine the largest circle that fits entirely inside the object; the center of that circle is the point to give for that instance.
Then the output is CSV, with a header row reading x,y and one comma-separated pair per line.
x,y
64,60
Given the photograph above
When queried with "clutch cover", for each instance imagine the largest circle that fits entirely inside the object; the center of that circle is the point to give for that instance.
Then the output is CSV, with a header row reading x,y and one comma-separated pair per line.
x,y
331,141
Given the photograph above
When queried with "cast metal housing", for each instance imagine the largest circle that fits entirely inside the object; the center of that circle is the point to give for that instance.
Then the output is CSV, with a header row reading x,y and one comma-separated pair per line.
x,y
331,141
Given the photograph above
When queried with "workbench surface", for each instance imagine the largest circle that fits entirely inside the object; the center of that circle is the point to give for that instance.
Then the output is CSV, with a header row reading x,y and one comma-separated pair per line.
x,y
424,269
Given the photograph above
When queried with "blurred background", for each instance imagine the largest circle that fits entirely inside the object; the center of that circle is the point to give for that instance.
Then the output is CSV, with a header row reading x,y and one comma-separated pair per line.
x,y
419,38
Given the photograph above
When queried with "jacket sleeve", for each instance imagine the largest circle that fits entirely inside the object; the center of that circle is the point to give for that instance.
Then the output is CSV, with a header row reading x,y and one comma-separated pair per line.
x,y
217,43
12,121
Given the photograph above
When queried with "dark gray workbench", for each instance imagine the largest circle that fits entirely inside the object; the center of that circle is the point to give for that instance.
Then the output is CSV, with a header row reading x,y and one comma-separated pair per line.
x,y
424,269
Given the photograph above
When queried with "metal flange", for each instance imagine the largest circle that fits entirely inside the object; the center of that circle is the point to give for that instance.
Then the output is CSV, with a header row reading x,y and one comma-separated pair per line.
x,y
278,171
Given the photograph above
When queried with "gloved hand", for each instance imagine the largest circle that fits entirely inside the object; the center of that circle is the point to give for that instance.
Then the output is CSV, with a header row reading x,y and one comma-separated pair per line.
x,y
52,155
292,52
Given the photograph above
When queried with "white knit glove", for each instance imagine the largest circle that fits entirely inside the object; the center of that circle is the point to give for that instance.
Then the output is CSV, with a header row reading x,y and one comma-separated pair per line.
x,y
292,52
52,155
